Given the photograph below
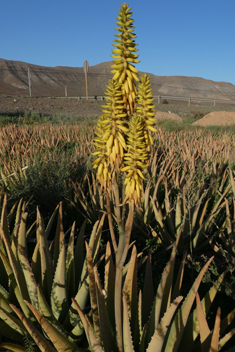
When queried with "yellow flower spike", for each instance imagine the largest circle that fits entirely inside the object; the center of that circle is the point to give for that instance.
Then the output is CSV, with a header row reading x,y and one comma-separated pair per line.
x,y
145,108
136,152
124,57
116,120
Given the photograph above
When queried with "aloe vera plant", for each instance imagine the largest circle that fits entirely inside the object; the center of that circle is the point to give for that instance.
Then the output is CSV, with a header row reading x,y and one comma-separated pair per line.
x,y
46,296
123,137
198,210
166,323
43,285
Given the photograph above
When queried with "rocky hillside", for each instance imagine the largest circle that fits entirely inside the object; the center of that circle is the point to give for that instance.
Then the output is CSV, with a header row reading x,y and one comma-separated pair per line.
x,y
53,81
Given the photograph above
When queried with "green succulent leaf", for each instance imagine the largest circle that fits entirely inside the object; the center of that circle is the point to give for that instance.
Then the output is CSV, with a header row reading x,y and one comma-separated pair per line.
x,y
179,323
59,300
93,342
159,335
40,340
13,347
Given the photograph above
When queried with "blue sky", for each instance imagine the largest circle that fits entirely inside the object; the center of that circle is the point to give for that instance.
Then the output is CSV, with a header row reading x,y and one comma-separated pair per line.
x,y
175,37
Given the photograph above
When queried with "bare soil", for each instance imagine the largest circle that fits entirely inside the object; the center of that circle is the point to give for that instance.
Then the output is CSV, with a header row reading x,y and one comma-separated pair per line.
x,y
217,118
50,106
204,115
160,115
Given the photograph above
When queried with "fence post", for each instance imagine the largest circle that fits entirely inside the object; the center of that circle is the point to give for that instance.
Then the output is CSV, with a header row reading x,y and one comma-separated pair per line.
x,y
159,99
214,102
29,78
189,101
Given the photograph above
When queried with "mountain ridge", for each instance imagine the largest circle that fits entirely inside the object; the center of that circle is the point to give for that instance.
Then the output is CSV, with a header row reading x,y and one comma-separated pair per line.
x,y
53,81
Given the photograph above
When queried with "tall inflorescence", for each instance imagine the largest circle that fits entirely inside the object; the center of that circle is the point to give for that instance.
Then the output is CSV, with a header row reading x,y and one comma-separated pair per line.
x,y
124,55
123,136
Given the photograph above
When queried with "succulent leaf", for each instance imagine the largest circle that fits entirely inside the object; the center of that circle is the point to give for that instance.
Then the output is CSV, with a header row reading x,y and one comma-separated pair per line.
x,y
28,274
93,342
159,335
40,340
12,321
13,347
127,337
41,261
60,341
59,299
130,289
177,327
107,334
70,265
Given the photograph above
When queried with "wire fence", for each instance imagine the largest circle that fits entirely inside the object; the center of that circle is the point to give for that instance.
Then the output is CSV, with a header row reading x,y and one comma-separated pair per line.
x,y
161,98
65,76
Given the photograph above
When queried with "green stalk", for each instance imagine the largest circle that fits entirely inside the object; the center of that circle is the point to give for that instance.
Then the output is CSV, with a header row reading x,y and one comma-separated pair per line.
x,y
121,254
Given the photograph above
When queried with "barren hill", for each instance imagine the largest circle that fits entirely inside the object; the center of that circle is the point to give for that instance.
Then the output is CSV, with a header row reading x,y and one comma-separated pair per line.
x,y
51,81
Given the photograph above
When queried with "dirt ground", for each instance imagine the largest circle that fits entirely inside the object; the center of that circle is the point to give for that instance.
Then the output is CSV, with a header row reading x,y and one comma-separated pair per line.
x,y
50,106
217,118
205,115
160,115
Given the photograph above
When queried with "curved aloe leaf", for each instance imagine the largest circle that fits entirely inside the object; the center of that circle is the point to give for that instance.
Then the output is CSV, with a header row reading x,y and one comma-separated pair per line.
x,y
70,264
50,222
227,321
106,331
93,343
4,292
83,291
78,255
20,209
60,342
157,340
4,217
36,263
59,237
91,242
215,335
165,236
44,257
45,310
82,298
191,330
127,337
148,291
109,283
179,279
130,289
163,295
178,325
205,333
40,340
29,277
12,321
94,242
93,298
4,304
13,284
226,338
13,347
16,269
59,300
21,237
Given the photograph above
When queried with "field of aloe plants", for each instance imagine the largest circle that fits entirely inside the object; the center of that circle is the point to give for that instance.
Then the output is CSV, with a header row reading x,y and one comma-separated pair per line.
x,y
115,236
